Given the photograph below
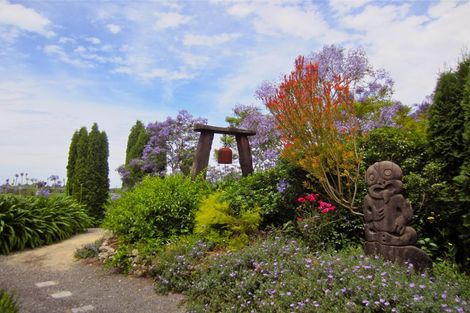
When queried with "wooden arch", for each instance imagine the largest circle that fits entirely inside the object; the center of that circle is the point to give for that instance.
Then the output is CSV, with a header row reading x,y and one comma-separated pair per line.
x,y
201,161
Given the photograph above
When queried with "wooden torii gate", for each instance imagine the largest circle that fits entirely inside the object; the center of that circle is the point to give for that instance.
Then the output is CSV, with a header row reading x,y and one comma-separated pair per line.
x,y
201,161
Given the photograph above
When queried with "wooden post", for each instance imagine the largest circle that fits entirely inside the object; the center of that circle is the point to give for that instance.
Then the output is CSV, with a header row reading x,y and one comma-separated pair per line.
x,y
201,160
246,161
202,153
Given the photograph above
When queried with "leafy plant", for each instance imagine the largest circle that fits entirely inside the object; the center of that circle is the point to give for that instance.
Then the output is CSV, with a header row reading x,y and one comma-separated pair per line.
x,y
28,222
274,191
8,302
156,209
88,251
175,268
223,226
280,275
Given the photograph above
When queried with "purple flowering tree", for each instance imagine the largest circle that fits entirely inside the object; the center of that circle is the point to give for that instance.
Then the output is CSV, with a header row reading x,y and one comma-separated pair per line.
x,y
266,144
175,139
171,147
371,88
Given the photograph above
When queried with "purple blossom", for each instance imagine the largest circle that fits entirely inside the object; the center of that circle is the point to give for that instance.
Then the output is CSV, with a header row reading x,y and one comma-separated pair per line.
x,y
353,65
282,185
171,143
43,192
266,144
421,110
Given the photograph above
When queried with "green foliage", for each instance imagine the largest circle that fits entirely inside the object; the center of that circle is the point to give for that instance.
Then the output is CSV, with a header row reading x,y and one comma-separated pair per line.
x,y
224,226
274,191
122,259
447,119
405,148
28,222
156,209
8,302
77,181
321,227
280,275
96,179
449,146
175,267
89,251
71,163
136,141
87,169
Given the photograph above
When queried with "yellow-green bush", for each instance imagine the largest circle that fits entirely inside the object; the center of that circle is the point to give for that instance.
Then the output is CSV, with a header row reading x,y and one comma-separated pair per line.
x,y
223,226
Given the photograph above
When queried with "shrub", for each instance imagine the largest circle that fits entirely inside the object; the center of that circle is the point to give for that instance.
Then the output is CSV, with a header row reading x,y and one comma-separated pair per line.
x,y
88,251
280,275
322,227
274,191
155,210
7,302
28,222
224,226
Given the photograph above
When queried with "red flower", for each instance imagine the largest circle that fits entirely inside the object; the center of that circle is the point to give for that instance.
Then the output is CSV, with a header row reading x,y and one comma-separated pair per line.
x,y
311,197
299,219
301,199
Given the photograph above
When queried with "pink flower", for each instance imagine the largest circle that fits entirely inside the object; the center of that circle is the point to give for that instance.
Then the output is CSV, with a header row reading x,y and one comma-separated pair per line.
x,y
301,199
299,219
311,197
324,211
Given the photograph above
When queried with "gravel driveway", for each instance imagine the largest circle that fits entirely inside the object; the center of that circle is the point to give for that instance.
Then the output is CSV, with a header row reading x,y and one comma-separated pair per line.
x,y
49,280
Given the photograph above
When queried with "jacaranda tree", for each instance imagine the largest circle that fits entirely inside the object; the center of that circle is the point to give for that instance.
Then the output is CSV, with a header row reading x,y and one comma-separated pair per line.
x,y
171,146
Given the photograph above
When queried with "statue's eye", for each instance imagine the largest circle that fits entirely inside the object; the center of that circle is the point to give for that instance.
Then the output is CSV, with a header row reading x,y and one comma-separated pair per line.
x,y
371,177
388,172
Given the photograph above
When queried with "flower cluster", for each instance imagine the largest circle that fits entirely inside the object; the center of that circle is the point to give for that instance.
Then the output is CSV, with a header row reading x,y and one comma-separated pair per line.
x,y
281,275
310,204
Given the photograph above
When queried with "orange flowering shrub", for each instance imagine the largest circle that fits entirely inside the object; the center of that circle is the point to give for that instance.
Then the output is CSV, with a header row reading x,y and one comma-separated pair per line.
x,y
320,129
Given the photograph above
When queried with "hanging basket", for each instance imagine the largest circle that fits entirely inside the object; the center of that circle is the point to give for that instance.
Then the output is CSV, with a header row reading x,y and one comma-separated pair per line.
x,y
225,156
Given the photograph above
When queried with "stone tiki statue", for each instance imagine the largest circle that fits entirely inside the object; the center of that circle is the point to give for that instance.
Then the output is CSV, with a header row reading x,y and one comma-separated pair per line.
x,y
386,216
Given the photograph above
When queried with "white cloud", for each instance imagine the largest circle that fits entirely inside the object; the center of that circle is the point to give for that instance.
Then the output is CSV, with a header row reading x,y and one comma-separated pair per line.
x,y
38,122
23,18
152,73
412,47
170,20
241,9
93,40
203,40
61,54
113,28
345,6
286,18
66,40
194,60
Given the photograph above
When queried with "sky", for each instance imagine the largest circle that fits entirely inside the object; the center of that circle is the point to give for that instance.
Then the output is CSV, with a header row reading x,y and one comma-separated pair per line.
x,y
68,64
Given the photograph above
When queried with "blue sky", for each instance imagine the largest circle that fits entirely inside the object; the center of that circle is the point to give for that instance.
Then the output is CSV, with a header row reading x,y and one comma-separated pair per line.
x,y
67,64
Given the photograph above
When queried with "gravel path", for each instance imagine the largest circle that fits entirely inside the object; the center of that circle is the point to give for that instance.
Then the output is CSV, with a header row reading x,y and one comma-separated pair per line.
x,y
49,280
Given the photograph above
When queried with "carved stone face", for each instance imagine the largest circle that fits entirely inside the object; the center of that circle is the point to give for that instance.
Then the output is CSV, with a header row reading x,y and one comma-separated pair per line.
x,y
381,172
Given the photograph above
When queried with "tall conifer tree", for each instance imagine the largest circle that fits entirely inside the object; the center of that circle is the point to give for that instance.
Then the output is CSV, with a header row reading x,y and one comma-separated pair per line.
x,y
88,170
449,118
136,141
71,162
